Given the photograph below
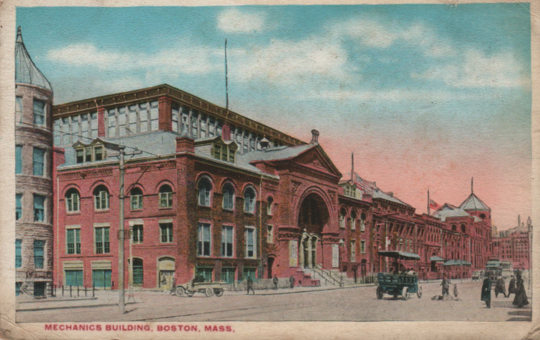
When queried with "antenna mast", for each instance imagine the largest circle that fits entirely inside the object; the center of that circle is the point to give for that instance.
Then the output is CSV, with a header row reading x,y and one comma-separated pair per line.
x,y
226,79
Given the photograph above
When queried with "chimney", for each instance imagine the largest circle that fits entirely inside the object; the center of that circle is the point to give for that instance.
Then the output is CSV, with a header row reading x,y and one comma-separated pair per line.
x,y
184,142
314,136
226,132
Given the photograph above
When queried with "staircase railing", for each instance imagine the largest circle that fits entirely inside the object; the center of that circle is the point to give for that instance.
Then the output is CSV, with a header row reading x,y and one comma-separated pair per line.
x,y
327,275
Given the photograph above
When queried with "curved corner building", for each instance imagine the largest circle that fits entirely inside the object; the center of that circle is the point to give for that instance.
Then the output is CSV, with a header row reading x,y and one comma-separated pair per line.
x,y
33,168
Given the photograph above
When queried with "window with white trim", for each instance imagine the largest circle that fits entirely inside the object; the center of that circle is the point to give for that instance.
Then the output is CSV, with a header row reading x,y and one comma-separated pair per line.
x,y
101,198
39,254
39,208
352,220
204,240
204,190
39,112
353,251
137,234
363,247
101,240
270,234
251,242
38,162
166,232
165,196
136,199
228,196
73,240
249,200
73,200
227,241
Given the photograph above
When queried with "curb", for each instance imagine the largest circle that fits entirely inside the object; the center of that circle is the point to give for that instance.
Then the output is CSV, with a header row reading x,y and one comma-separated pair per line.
x,y
61,300
70,307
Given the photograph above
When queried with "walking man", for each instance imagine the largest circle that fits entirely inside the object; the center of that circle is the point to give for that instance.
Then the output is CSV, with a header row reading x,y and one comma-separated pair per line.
x,y
275,281
250,285
486,292
291,281
445,286
500,287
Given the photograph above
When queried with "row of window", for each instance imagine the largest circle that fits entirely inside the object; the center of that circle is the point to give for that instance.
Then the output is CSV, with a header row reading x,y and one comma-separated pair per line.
x,y
38,160
39,253
165,197
352,220
69,130
39,207
352,252
39,110
204,239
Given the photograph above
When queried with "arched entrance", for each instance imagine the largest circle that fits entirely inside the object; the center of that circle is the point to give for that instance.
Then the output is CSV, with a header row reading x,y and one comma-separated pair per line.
x,y
312,219
166,272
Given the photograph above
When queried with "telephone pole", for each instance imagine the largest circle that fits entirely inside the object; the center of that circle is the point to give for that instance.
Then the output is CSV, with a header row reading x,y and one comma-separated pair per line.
x,y
121,236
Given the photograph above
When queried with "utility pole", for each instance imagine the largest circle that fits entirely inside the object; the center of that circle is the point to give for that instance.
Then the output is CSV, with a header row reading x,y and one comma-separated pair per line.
x,y
121,236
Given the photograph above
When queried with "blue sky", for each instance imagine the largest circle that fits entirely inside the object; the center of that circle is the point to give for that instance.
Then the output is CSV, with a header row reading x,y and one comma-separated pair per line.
x,y
425,95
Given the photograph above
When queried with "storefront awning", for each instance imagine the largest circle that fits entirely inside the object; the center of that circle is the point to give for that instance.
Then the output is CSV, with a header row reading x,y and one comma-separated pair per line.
x,y
457,263
399,254
436,259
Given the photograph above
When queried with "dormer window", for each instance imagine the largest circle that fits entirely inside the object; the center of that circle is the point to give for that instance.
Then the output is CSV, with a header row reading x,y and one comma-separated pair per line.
x,y
224,151
89,153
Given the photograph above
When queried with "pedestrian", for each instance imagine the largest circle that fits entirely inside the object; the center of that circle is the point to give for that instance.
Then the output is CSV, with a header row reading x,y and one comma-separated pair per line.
x,y
520,299
291,281
486,292
500,287
445,286
275,281
250,285
512,286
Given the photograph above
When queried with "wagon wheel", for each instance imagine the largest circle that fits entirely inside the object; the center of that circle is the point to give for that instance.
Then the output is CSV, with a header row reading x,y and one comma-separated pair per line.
x,y
405,293
209,292
380,293
419,292
180,291
219,292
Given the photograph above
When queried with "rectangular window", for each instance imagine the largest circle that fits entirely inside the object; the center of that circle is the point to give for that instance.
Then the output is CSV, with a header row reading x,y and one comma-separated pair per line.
x,y
217,151
18,109
353,250
39,208
251,243
18,253
39,253
39,161
138,234
18,159
165,199
98,153
85,126
101,278
66,130
227,241
154,116
39,112
75,128
204,240
73,239
74,277
205,272
93,125
111,122
143,116
122,121
136,201
102,242
166,232
57,131
88,154
80,155
18,286
353,223
132,116
18,206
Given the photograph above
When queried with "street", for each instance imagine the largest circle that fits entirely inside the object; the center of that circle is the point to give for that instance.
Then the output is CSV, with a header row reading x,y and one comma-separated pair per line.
x,y
349,304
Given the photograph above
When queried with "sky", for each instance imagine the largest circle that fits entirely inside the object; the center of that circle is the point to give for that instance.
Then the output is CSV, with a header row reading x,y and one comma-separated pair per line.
x,y
425,96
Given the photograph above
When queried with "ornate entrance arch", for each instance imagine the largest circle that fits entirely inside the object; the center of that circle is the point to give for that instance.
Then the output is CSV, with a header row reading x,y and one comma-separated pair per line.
x,y
313,218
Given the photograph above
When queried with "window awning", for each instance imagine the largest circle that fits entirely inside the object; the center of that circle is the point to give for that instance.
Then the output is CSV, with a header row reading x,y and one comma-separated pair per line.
x,y
399,254
436,259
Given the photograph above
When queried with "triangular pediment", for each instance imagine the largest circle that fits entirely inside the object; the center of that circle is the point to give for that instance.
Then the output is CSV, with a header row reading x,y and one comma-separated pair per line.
x,y
315,158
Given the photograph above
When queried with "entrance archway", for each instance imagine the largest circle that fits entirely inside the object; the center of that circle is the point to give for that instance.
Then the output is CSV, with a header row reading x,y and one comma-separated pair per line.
x,y
312,220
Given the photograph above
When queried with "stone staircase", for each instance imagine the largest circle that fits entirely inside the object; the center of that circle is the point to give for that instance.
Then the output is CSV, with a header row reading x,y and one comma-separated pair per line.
x,y
317,276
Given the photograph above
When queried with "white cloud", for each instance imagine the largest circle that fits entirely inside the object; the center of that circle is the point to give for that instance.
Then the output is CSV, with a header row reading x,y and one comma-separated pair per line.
x,y
368,32
183,59
290,62
478,70
235,21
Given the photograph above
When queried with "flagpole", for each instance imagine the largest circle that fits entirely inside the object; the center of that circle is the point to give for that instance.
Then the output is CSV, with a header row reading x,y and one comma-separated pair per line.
x,y
428,211
226,79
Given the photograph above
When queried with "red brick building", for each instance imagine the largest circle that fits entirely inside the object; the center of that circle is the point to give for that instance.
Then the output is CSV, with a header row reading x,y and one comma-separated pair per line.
x,y
211,192
512,245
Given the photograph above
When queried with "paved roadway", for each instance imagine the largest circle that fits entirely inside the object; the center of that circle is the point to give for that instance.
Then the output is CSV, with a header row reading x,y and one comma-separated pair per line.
x,y
349,304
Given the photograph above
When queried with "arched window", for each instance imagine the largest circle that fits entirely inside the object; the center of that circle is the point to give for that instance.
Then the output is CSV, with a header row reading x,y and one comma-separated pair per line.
x,y
353,220
165,196
101,198
342,214
136,199
463,228
249,200
73,199
363,222
454,228
482,216
270,205
228,196
205,188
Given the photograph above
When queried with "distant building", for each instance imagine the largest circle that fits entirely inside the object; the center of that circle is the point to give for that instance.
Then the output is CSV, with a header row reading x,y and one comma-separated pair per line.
x,y
33,173
513,245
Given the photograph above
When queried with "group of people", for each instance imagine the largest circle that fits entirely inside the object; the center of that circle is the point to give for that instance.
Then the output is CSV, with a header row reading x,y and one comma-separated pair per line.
x,y
275,282
516,287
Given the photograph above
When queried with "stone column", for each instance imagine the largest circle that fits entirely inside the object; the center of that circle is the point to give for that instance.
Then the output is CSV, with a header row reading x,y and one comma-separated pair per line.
x,y
310,253
301,253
